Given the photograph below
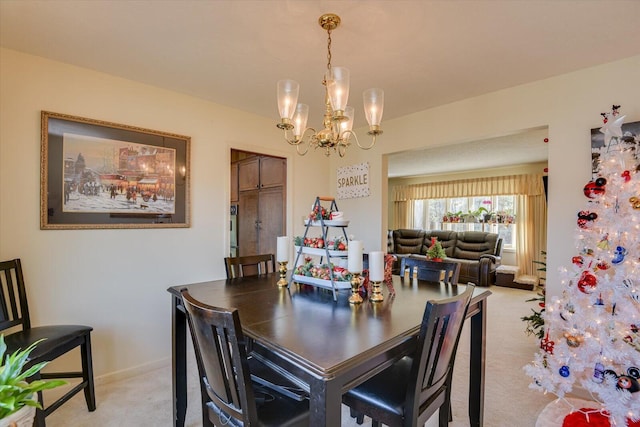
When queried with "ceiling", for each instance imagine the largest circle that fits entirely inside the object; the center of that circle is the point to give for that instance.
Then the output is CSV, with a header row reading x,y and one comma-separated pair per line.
x,y
508,150
422,53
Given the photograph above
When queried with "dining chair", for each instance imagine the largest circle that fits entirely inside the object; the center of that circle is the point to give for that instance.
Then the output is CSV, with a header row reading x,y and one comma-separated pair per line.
x,y
254,264
410,391
436,271
58,340
237,389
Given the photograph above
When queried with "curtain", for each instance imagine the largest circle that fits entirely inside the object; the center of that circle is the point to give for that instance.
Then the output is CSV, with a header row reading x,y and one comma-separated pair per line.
x,y
402,215
498,185
532,233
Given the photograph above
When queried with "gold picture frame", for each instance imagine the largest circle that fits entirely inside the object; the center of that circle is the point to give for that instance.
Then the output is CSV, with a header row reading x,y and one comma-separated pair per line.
x,y
96,174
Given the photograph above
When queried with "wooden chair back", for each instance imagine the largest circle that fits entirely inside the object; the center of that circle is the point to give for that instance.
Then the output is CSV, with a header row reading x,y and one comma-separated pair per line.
x,y
222,361
14,310
237,388
435,352
423,378
58,340
250,265
435,271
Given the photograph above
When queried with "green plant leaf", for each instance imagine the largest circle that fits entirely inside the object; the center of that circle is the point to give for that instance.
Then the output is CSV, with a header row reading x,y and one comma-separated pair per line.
x,y
15,389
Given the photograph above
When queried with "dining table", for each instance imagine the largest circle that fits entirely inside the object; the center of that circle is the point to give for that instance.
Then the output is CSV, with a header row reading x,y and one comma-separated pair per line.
x,y
326,346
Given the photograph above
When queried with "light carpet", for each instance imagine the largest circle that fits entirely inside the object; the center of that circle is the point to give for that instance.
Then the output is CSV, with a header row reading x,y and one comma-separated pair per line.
x,y
145,400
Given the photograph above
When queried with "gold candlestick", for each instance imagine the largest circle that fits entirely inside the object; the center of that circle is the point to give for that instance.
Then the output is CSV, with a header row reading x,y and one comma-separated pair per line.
x,y
376,293
355,297
283,274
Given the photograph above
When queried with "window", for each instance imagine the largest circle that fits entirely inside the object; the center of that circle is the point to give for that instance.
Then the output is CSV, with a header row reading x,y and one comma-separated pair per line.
x,y
495,214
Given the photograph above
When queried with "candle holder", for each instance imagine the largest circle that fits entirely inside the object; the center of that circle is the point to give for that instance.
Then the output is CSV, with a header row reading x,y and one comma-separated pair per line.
x,y
376,293
355,297
283,274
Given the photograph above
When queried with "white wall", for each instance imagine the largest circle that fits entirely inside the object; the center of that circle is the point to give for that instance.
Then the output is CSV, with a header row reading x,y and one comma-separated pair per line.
x,y
116,280
570,105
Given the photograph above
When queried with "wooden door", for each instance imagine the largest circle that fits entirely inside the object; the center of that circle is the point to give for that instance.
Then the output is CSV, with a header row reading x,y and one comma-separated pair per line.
x,y
273,172
271,219
247,222
249,174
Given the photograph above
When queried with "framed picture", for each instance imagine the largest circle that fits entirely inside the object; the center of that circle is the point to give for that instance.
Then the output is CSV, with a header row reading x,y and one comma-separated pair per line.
x,y
96,174
630,141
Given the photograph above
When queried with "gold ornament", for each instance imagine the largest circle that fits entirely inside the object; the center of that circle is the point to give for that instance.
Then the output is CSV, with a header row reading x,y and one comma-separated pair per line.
x,y
573,340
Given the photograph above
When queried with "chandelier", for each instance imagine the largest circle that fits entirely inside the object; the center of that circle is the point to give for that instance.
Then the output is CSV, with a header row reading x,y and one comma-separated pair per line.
x,y
338,116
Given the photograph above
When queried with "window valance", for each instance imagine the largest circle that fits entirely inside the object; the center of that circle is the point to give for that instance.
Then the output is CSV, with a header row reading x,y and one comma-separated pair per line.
x,y
530,185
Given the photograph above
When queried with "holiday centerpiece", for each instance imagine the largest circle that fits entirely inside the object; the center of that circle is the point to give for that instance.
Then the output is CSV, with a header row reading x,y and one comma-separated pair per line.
x,y
321,274
591,336
436,251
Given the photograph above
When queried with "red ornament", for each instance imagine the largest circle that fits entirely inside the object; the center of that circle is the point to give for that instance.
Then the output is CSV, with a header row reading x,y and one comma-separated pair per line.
x,y
627,176
584,217
577,260
596,418
546,169
587,283
546,344
595,188
546,140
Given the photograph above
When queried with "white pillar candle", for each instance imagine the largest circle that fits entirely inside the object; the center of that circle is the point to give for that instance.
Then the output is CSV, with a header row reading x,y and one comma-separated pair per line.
x,y
283,249
355,256
376,266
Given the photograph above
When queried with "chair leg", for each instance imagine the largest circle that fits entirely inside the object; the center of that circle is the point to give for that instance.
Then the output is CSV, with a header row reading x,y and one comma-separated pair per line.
x,y
38,421
87,373
445,414
357,415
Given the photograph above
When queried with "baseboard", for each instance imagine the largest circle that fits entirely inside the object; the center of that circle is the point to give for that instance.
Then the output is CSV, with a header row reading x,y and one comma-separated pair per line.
x,y
524,286
132,372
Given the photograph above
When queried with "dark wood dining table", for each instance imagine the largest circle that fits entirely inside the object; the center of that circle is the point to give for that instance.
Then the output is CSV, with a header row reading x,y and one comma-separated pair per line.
x,y
328,346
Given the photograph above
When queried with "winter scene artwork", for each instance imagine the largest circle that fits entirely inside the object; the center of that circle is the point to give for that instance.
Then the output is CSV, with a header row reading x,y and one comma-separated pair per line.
x,y
105,175
97,174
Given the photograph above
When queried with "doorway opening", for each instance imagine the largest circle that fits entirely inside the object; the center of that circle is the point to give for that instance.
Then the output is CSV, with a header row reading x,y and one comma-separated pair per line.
x,y
258,202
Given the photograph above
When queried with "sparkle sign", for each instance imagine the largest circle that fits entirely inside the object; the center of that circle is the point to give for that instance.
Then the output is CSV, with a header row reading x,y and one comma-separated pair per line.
x,y
353,181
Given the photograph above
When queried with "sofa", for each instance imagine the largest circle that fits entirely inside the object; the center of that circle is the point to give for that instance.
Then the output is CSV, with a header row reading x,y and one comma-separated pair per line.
x,y
479,253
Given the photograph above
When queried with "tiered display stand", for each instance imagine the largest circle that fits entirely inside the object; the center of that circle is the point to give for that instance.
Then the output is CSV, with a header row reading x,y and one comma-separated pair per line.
x,y
323,253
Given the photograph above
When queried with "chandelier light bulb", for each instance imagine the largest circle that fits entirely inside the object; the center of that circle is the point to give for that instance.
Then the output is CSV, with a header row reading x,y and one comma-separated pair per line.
x,y
337,81
300,118
347,125
287,98
373,100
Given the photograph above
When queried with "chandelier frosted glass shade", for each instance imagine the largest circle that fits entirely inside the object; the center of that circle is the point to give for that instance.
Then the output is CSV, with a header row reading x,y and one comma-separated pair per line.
x,y
337,81
287,93
373,100
300,120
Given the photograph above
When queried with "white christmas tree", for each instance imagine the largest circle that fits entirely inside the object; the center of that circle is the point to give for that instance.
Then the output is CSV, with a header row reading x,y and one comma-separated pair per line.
x,y
592,338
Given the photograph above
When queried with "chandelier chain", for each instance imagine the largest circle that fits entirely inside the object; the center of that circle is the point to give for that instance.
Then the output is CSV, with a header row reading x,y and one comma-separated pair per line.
x,y
329,49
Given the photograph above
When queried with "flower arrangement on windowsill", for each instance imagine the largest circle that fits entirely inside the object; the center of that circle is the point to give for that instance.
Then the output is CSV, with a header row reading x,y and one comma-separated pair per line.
x,y
436,251
452,217
502,217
